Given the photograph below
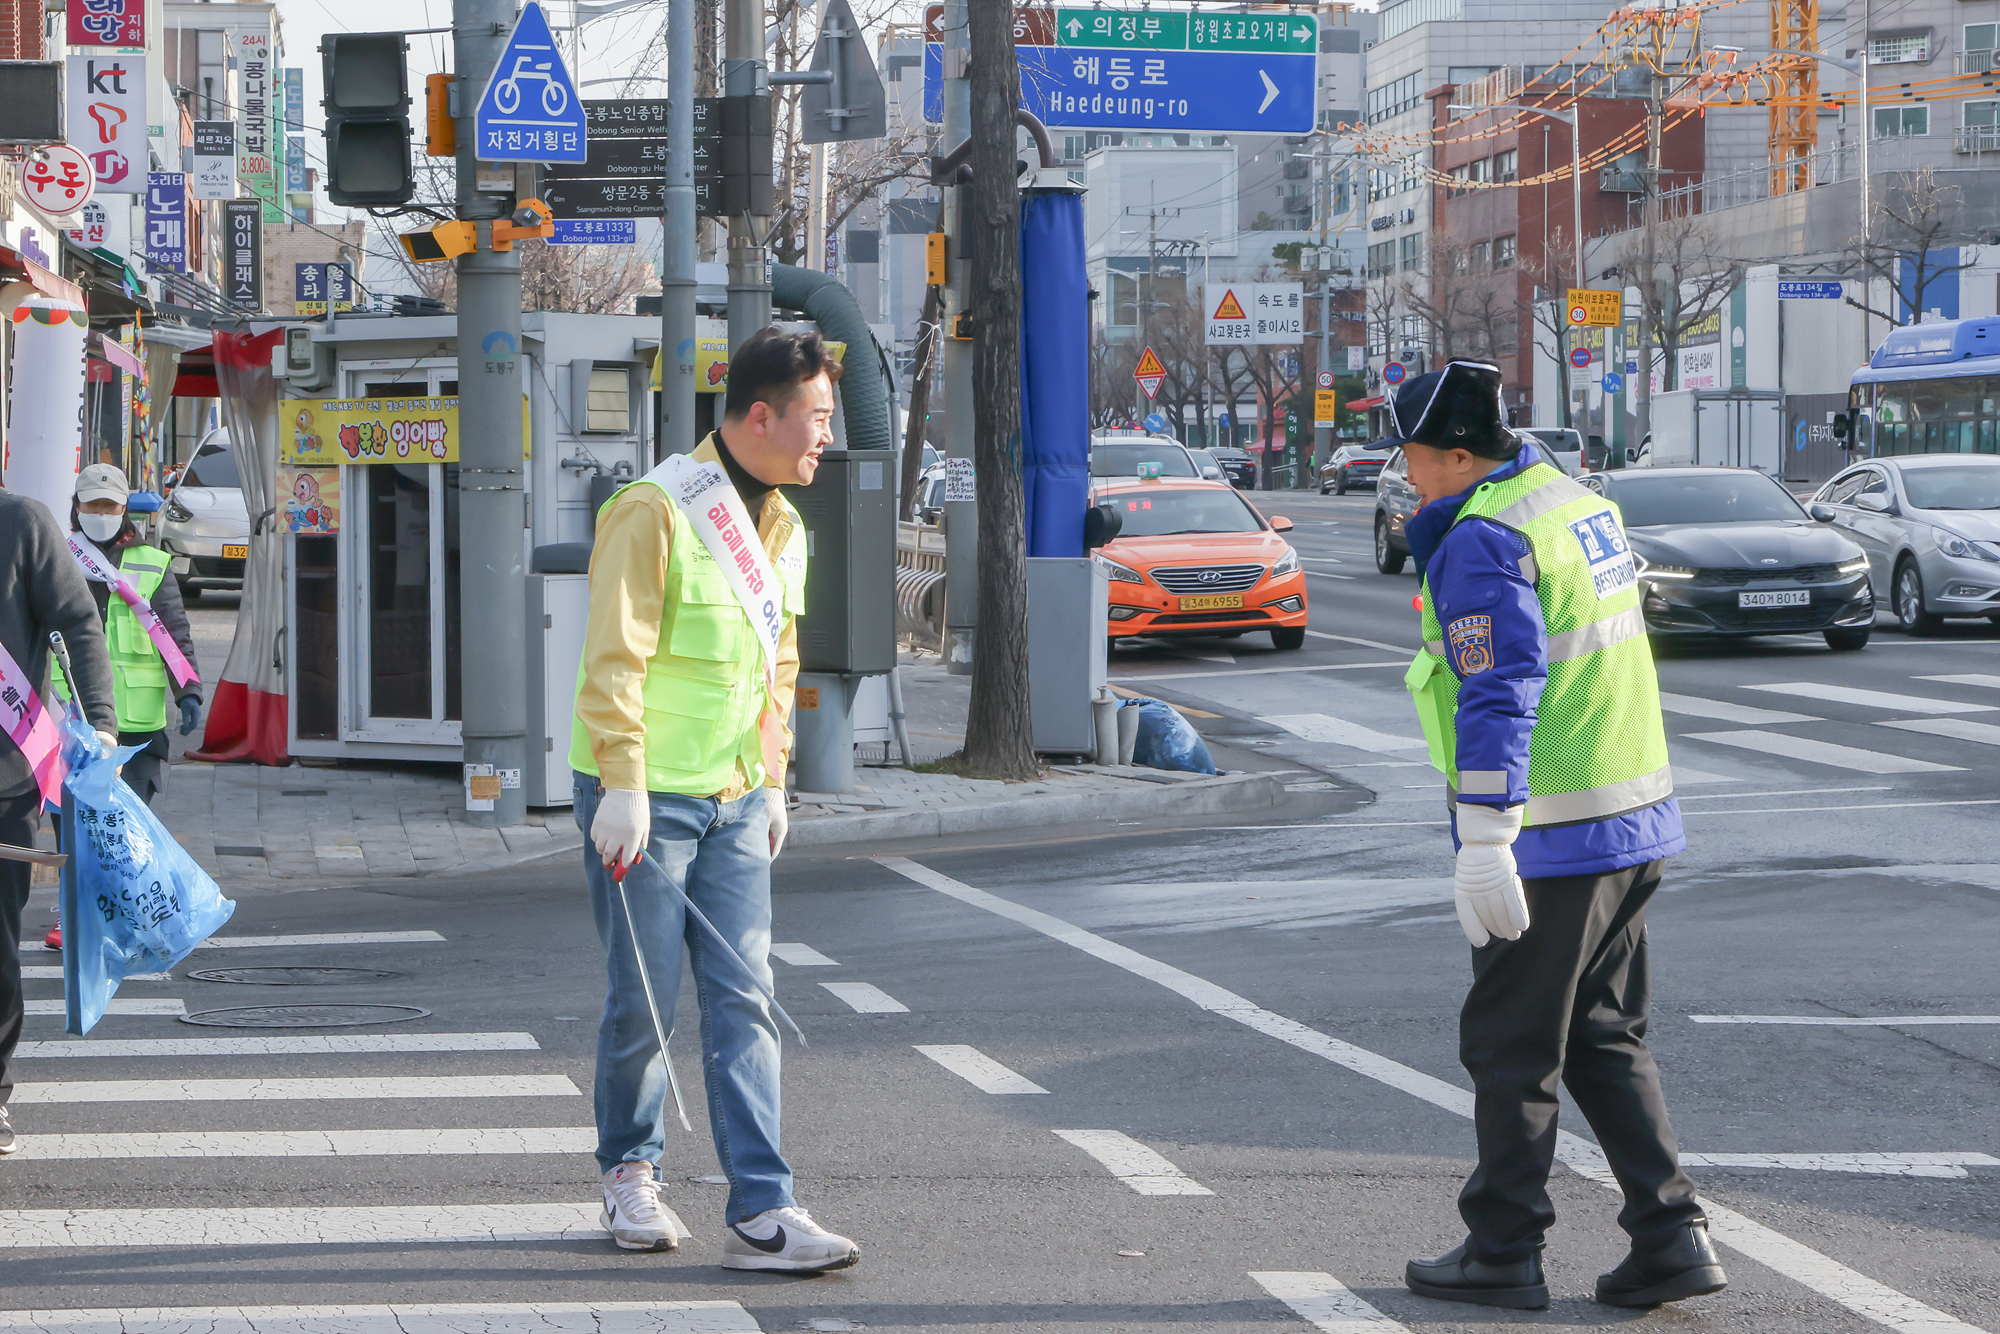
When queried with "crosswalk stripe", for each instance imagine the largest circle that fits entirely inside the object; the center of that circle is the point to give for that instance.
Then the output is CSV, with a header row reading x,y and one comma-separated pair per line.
x,y
1846,1021
1965,679
1875,1164
296,1090
309,1143
697,1317
1340,732
52,972
382,1224
1133,1163
1726,712
1325,1303
1958,729
116,1005
1821,752
1873,699
981,1071
801,956
330,938
291,1044
866,998
1686,777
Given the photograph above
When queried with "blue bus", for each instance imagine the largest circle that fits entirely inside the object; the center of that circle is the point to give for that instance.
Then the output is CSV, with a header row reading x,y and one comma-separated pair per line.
x,y
1930,389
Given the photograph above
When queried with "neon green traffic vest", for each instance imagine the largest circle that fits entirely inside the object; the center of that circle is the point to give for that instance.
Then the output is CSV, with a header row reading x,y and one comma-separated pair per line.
x,y
139,678
1599,747
705,682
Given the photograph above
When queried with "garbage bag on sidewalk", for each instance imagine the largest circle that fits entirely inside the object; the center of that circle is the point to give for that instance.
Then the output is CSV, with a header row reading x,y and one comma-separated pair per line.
x,y
133,901
1167,741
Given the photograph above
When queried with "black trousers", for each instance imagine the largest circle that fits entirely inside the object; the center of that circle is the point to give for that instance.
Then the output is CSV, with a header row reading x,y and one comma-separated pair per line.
x,y
1567,1002
19,818
146,772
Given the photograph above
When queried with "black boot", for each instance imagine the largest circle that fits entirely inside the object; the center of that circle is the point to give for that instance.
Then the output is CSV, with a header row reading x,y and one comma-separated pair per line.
x,y
1455,1277
1684,1267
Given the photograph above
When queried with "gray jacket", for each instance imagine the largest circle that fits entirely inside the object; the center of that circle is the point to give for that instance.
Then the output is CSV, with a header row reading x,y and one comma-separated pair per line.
x,y
43,589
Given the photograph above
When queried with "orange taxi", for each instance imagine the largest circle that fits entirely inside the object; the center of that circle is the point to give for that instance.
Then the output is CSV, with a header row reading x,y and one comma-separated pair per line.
x,y
1195,558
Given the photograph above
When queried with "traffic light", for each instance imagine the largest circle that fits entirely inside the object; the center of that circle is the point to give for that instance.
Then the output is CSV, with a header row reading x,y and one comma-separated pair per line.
x,y
447,240
367,105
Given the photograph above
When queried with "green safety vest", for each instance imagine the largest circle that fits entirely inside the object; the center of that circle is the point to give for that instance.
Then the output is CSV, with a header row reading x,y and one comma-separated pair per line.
x,y
704,684
139,678
1599,746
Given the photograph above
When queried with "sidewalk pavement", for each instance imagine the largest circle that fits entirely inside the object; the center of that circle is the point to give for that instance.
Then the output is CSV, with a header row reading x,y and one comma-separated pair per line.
x,y
302,827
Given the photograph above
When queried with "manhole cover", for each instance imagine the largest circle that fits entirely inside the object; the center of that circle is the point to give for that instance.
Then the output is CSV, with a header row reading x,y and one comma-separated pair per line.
x,y
304,1016
293,977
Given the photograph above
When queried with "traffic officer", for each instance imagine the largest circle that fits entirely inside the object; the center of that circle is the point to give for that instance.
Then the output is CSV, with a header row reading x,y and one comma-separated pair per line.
x,y
689,663
140,679
1536,693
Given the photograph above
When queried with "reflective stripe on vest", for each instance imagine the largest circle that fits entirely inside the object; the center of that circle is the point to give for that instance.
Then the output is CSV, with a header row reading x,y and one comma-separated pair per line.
x,y
1598,747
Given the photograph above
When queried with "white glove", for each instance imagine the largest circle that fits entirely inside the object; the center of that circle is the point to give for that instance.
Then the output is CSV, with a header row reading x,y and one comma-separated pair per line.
x,y
624,822
781,818
1487,888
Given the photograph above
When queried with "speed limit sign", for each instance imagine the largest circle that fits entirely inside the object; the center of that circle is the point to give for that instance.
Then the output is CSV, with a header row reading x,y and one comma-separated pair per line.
x,y
1326,379
1579,315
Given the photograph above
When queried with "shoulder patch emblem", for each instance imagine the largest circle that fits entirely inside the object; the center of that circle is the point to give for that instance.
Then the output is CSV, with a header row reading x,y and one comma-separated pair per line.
x,y
1471,643
1612,569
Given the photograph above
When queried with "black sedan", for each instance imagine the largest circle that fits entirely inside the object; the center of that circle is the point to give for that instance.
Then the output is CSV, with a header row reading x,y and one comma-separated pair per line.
x,y
1237,465
1727,551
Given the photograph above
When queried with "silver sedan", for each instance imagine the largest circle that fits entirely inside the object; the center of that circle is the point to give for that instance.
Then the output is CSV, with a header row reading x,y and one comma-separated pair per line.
x,y
1930,524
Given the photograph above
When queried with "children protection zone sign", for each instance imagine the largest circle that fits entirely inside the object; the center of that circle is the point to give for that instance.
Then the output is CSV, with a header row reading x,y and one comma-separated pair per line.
x,y
322,432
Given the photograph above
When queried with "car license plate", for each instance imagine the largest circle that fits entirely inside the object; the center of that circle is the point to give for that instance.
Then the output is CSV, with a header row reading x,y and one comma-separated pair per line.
x,y
1212,601
1783,597
231,551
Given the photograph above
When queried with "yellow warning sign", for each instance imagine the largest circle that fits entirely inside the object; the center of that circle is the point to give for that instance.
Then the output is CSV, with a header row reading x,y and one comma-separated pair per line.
x,y
1229,308
1596,307
1324,407
1149,365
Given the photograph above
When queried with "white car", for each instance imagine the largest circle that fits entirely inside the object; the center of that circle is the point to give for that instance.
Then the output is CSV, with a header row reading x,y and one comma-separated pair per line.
x,y
204,524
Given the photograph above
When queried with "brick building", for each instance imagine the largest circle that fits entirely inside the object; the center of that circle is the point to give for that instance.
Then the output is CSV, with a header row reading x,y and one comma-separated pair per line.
x,y
287,245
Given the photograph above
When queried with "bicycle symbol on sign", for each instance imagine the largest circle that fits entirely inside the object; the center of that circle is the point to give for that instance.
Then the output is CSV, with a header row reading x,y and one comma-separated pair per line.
x,y
507,93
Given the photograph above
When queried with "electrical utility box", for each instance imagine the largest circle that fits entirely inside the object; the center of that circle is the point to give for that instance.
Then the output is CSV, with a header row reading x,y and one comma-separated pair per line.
x,y
850,515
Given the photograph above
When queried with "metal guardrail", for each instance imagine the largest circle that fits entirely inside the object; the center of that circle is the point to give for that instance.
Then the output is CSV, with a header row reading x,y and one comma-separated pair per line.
x,y
920,585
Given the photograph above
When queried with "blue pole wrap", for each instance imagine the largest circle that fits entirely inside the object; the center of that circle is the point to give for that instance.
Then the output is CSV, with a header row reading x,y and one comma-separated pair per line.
x,y
1055,373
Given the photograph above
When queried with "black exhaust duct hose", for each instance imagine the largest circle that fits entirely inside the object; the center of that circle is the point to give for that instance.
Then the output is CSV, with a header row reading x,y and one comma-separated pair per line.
x,y
864,393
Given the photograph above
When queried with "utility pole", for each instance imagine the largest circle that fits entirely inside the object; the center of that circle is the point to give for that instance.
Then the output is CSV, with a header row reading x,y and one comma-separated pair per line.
x,y
1649,288
1149,294
961,516
492,499
744,75
678,332
1323,435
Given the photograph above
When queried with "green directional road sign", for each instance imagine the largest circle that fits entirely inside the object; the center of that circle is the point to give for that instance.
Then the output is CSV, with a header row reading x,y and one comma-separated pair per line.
x,y
1142,29
1253,32
1155,30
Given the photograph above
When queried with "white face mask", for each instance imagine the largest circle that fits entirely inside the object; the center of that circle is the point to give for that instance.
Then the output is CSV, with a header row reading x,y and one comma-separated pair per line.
x,y
100,527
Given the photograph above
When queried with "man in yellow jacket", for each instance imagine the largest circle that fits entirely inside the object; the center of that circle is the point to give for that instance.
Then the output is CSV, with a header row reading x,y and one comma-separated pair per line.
x,y
690,658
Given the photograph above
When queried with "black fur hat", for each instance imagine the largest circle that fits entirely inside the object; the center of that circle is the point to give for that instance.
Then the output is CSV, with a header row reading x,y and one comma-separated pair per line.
x,y
1457,407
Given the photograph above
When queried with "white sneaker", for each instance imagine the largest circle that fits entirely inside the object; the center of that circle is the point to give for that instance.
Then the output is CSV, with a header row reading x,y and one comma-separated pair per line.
x,y
633,1214
786,1239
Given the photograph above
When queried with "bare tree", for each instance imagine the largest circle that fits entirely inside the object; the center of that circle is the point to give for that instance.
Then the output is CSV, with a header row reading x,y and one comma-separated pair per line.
x,y
1690,284
1548,313
999,741
1919,222
1180,342
1111,365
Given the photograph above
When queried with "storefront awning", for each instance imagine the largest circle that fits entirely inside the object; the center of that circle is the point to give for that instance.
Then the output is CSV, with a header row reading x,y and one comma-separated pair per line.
x,y
197,374
1363,404
16,267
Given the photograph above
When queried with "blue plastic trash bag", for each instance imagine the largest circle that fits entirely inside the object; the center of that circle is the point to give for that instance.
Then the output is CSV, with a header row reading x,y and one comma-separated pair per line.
x,y
1167,741
133,901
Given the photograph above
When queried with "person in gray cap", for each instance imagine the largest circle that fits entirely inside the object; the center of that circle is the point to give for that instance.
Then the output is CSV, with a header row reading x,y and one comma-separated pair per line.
x,y
142,678
41,589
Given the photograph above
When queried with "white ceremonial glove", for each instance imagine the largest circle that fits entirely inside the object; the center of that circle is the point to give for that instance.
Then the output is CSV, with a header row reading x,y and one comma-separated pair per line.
x,y
1487,888
623,824
781,818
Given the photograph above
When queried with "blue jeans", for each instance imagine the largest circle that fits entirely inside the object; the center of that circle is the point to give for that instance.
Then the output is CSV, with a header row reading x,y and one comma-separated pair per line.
x,y
719,853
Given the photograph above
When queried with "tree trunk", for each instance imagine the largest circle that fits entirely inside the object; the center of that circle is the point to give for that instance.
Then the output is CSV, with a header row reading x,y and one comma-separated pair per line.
x,y
998,739
920,404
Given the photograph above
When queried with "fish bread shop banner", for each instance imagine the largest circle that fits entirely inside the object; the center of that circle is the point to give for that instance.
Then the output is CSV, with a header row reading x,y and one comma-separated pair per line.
x,y
321,432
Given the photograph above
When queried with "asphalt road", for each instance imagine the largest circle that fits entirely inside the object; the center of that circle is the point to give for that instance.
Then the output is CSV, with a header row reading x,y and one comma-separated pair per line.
x,y
1236,1105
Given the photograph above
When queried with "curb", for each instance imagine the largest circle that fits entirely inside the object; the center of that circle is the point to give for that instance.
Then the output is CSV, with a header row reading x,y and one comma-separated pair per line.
x,y
1214,796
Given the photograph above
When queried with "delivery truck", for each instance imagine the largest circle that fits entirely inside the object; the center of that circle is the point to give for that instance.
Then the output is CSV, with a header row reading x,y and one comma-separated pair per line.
x,y
1730,428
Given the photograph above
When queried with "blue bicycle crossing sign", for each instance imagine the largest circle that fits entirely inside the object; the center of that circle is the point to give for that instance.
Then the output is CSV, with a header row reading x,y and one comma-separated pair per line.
x,y
530,111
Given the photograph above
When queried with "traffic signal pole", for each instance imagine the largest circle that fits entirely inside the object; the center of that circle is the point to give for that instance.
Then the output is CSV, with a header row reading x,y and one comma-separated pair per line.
x,y
744,74
677,256
961,517
492,498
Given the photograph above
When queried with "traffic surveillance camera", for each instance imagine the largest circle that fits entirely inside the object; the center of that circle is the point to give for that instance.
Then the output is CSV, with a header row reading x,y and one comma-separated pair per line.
x,y
447,240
